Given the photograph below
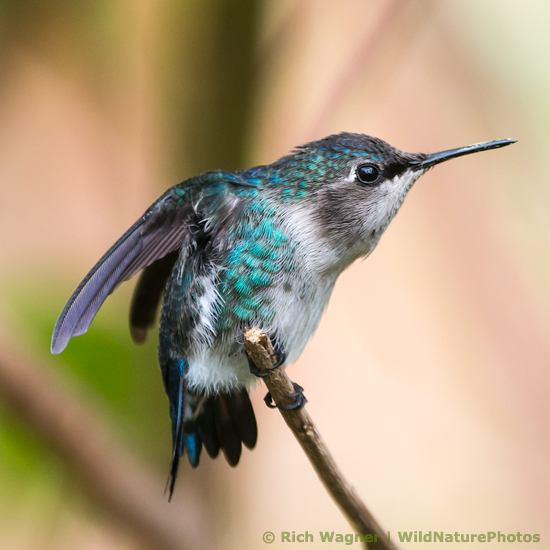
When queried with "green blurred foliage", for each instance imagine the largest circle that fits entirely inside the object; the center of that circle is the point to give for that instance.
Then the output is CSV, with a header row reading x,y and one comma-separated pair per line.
x,y
105,365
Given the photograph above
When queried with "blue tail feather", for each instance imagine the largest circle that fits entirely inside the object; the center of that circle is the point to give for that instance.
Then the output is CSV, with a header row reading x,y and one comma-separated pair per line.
x,y
193,446
220,422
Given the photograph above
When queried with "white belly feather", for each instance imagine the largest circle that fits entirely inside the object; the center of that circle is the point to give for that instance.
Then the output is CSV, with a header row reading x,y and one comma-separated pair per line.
x,y
298,312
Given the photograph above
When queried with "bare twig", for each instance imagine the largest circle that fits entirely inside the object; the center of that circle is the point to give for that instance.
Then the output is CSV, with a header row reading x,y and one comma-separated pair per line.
x,y
110,475
261,351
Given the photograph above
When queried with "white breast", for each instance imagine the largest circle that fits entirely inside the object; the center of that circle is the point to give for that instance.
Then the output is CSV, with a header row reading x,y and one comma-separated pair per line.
x,y
298,311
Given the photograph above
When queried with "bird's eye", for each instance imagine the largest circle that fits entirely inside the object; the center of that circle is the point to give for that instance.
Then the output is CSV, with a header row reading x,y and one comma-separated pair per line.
x,y
367,174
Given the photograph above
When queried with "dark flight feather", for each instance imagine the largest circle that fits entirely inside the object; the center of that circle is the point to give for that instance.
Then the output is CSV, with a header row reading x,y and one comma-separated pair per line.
x,y
157,233
147,295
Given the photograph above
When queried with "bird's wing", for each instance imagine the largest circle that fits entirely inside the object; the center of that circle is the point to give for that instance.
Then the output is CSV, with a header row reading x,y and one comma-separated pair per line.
x,y
155,235
147,294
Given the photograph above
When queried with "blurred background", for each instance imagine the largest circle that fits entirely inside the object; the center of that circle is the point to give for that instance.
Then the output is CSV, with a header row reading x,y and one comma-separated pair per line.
x,y
428,376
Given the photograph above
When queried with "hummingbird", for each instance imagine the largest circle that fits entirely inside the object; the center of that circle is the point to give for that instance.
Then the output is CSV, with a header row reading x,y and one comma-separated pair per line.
x,y
261,247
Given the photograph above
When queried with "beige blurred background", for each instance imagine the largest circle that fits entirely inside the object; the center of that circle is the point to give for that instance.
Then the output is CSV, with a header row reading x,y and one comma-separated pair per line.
x,y
428,376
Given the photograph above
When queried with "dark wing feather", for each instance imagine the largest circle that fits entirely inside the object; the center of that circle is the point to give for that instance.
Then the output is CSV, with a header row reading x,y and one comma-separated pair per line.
x,y
157,233
147,295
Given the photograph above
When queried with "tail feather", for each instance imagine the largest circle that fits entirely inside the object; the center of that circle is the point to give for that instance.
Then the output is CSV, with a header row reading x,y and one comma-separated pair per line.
x,y
243,418
230,442
221,422
207,429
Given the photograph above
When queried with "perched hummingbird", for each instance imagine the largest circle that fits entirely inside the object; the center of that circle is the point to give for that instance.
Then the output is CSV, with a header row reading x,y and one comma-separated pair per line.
x,y
261,248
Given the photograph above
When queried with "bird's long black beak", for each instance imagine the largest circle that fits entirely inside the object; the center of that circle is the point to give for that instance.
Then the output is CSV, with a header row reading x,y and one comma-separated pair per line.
x,y
435,158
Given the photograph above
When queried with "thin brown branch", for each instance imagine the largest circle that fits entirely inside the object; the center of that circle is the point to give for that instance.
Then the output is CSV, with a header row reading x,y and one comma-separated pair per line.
x,y
261,352
109,474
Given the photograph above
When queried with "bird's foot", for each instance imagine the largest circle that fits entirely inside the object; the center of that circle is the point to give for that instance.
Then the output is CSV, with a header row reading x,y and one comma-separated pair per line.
x,y
254,369
299,400
280,352
281,358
